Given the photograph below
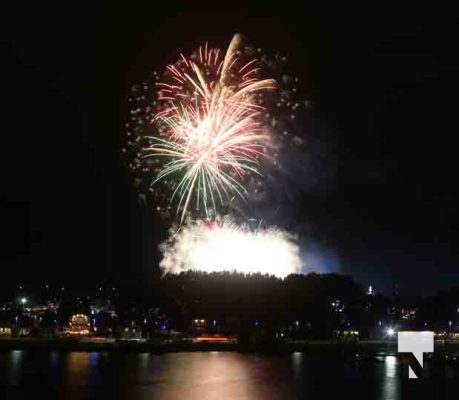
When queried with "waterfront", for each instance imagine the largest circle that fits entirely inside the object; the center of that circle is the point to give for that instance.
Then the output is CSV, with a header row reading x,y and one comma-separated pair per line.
x,y
38,373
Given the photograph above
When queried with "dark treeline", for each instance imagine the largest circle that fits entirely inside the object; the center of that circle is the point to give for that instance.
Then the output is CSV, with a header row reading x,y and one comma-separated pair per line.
x,y
315,306
256,302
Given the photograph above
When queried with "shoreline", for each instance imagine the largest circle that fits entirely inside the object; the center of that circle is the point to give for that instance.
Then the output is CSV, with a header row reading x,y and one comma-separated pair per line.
x,y
365,347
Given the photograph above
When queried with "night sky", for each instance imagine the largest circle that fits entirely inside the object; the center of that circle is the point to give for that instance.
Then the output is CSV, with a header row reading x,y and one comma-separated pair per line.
x,y
380,200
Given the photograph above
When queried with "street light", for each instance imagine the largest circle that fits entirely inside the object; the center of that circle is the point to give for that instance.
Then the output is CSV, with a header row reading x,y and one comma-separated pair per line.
x,y
390,332
23,300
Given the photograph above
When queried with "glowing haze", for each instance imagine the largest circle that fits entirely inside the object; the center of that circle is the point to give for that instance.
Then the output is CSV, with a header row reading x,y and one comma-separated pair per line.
x,y
226,246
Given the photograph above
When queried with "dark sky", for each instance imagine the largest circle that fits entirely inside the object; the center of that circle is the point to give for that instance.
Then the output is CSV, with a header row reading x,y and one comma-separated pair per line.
x,y
383,78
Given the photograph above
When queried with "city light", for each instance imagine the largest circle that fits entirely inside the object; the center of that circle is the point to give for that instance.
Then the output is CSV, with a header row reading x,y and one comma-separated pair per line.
x,y
78,325
214,339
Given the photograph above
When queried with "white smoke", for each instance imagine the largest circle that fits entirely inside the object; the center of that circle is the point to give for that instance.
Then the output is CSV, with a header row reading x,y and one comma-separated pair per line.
x,y
227,246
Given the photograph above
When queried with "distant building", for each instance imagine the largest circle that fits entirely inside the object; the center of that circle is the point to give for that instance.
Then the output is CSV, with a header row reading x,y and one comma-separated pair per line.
x,y
35,313
25,325
5,328
131,331
78,325
198,325
347,334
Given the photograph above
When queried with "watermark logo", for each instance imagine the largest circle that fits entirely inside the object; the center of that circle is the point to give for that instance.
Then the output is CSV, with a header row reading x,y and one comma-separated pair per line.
x,y
417,343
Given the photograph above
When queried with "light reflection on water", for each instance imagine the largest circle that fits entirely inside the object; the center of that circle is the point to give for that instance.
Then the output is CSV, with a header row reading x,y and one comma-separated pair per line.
x,y
206,376
390,384
297,361
15,370
76,374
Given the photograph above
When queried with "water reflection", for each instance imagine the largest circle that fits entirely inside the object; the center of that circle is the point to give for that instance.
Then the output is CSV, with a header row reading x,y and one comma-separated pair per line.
x,y
390,366
297,361
15,366
391,383
55,369
53,359
209,376
144,360
204,376
75,377
77,367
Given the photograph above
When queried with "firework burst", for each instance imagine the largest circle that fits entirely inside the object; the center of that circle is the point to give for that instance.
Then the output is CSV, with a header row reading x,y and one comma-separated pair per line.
x,y
210,127
206,135
200,135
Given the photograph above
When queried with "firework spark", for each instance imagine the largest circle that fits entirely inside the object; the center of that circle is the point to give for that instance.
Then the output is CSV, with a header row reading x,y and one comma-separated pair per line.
x,y
230,247
210,127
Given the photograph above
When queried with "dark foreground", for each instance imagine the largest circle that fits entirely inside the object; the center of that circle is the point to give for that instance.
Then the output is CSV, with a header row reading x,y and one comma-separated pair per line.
x,y
37,373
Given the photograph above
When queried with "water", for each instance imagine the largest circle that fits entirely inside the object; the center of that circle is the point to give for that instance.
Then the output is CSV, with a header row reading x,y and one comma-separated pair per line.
x,y
35,374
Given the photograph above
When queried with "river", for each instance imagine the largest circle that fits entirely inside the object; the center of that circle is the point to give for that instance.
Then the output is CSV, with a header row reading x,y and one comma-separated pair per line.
x,y
40,374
